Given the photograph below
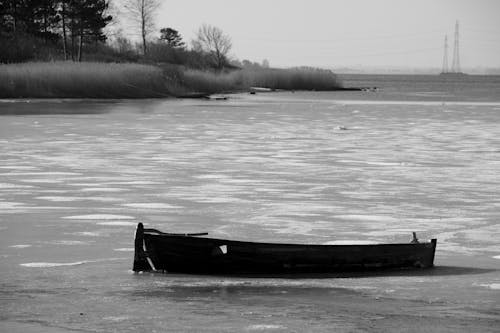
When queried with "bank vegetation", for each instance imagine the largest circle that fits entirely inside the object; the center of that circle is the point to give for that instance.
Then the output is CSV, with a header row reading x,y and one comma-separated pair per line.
x,y
55,48
64,79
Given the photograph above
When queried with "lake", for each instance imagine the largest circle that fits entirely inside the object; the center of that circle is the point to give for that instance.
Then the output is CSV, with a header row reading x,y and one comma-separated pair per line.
x,y
421,153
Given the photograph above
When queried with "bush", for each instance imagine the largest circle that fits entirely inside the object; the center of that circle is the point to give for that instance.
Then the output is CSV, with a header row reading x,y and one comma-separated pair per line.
x,y
25,48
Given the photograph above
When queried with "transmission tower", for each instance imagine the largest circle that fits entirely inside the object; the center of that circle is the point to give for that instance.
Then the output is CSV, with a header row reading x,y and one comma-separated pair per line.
x,y
445,57
455,66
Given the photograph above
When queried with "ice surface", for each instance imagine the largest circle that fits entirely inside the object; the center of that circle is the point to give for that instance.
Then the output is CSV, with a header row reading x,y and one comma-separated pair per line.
x,y
262,168
98,217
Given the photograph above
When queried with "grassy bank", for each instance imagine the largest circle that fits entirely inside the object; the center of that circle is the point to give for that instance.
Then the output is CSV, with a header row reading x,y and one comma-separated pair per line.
x,y
286,79
110,80
80,80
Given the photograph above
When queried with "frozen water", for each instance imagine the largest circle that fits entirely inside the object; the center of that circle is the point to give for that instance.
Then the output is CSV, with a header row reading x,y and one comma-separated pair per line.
x,y
99,217
263,168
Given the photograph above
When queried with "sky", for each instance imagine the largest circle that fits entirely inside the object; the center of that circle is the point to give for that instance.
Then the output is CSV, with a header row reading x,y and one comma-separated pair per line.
x,y
348,33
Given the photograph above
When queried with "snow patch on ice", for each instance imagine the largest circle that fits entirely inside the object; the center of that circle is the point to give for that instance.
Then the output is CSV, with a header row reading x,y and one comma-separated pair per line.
x,y
52,264
211,176
265,327
59,264
41,181
117,223
103,189
137,182
494,286
40,174
11,205
68,242
59,198
18,167
87,233
98,217
151,205
4,186
124,249
369,218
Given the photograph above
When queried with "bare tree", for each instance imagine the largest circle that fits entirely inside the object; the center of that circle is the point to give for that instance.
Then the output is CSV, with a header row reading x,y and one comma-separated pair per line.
x,y
62,11
212,40
142,12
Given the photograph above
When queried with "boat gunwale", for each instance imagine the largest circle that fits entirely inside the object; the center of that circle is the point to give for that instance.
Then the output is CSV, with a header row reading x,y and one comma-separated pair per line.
x,y
220,240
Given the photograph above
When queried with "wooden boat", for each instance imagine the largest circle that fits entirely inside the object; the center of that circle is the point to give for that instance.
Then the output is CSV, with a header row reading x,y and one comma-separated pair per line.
x,y
191,253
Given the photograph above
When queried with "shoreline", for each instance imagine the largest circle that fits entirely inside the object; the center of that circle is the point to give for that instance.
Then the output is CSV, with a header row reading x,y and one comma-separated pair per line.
x,y
194,95
222,97
136,81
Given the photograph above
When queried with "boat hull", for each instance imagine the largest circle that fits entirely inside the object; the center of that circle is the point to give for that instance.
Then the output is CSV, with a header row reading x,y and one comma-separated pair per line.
x,y
188,254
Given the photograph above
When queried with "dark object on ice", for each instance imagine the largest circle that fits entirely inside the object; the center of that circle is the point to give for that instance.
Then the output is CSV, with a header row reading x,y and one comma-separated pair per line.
x,y
188,253
357,89
201,95
218,98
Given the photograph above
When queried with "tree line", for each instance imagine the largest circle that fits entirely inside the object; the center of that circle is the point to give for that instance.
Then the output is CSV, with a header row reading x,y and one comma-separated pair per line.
x,y
75,30
42,24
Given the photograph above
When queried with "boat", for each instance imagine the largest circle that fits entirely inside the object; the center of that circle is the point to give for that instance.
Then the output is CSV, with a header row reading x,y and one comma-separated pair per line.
x,y
157,251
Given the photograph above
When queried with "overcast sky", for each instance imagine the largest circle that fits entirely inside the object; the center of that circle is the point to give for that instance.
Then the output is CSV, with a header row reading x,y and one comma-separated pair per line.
x,y
334,33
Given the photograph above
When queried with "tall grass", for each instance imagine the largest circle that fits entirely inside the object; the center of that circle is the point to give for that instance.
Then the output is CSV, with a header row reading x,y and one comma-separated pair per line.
x,y
126,80
303,78
211,82
80,80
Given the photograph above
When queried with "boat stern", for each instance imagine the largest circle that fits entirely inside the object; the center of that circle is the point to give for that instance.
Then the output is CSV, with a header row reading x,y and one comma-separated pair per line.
x,y
141,263
433,245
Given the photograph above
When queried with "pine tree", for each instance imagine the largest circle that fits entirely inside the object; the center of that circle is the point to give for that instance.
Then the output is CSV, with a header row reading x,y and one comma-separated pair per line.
x,y
172,38
87,20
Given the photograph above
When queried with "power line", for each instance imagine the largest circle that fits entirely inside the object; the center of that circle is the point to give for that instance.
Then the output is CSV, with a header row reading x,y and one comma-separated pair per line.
x,y
445,56
455,65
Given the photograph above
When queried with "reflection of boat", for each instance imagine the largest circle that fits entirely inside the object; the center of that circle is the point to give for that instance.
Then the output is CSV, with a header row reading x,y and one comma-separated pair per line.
x,y
190,253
